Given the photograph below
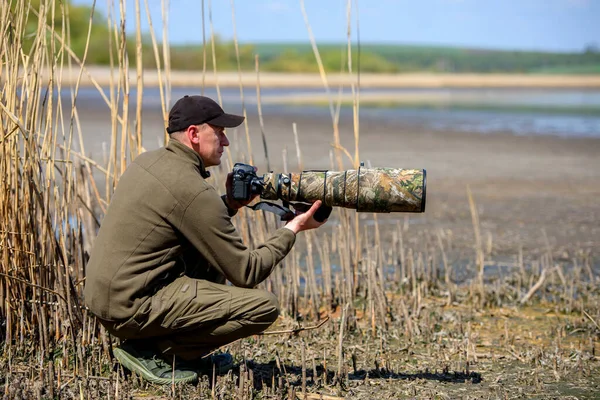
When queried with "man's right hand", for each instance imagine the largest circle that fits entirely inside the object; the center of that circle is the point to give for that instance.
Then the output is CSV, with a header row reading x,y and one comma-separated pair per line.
x,y
229,200
305,221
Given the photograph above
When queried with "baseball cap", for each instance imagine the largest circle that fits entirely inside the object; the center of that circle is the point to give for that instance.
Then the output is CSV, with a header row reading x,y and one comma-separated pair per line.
x,y
196,110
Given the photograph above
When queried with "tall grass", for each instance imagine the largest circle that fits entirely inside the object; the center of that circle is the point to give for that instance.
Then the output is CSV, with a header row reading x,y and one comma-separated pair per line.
x,y
51,205
42,254
366,278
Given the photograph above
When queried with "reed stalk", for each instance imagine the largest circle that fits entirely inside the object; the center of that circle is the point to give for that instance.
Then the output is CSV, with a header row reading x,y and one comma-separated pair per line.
x,y
159,68
241,86
139,76
260,114
478,245
213,53
165,51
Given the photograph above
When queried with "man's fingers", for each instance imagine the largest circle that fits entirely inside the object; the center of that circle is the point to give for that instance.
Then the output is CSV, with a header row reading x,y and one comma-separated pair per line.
x,y
313,209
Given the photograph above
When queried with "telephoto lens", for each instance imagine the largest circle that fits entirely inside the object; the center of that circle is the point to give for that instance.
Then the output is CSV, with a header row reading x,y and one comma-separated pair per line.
x,y
379,190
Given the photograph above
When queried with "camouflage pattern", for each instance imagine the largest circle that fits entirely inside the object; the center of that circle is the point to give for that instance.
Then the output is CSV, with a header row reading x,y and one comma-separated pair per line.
x,y
380,190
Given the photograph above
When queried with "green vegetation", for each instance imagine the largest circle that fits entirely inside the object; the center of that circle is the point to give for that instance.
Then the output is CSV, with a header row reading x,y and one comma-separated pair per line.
x,y
402,58
299,57
78,17
373,58
571,70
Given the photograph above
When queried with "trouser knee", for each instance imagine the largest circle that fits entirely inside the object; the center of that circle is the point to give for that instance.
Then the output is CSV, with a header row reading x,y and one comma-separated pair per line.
x,y
268,309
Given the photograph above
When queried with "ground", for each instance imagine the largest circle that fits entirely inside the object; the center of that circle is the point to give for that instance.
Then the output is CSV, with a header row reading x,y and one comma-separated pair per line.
x,y
536,203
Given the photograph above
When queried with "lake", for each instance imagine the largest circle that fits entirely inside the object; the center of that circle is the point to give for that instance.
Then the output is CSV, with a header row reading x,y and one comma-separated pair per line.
x,y
557,112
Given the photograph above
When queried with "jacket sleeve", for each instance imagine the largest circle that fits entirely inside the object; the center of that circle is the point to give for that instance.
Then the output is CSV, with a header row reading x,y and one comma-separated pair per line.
x,y
206,224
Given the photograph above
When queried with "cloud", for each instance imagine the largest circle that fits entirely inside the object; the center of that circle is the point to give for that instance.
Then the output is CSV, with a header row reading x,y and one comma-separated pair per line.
x,y
277,6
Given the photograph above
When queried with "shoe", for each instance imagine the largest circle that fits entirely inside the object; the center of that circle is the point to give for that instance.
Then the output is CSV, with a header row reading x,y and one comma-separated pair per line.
x,y
150,366
221,363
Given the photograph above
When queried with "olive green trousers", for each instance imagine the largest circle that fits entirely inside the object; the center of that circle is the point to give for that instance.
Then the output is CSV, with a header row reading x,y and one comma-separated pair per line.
x,y
191,317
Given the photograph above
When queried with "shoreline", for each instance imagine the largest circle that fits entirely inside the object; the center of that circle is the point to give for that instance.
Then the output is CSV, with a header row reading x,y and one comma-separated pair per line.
x,y
102,76
415,99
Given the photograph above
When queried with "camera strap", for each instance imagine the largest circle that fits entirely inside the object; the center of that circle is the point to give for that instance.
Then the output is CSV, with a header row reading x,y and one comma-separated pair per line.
x,y
285,213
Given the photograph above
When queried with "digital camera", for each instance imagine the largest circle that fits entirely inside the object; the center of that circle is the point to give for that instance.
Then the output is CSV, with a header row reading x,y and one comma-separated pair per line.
x,y
245,182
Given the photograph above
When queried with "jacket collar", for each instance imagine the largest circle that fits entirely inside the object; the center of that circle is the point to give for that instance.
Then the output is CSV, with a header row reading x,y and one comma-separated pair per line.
x,y
189,155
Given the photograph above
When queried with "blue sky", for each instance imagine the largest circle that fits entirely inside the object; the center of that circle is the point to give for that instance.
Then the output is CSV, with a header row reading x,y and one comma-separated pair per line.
x,y
550,25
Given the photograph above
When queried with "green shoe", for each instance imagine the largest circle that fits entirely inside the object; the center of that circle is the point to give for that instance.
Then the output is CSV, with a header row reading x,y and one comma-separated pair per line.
x,y
221,363
146,363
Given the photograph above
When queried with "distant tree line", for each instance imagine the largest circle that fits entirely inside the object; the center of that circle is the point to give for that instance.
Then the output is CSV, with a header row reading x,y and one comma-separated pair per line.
x,y
281,57
398,58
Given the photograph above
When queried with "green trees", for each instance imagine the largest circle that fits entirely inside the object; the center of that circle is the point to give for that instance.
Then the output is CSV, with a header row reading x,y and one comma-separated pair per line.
x,y
76,27
190,57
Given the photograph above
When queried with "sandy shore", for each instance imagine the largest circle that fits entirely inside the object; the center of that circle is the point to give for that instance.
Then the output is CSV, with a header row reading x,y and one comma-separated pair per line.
x,y
101,76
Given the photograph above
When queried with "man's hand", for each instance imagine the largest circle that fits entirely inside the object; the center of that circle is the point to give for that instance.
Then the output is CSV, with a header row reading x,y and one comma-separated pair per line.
x,y
229,200
305,221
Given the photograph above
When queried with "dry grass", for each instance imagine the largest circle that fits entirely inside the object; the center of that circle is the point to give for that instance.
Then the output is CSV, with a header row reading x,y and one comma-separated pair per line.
x,y
407,318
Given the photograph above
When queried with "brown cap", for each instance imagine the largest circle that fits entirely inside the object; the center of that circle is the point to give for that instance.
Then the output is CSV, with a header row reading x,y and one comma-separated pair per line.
x,y
196,110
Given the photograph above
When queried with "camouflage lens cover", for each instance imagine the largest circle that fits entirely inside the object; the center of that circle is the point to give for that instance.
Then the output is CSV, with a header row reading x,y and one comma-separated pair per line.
x,y
378,190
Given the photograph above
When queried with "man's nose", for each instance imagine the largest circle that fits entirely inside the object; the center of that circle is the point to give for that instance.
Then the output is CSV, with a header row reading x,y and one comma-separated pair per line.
x,y
225,141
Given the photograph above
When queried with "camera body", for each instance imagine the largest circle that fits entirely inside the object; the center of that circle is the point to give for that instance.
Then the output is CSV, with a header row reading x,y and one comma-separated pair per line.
x,y
245,182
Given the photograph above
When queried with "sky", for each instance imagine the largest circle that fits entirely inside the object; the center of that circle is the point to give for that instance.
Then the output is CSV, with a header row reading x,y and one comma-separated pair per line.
x,y
547,25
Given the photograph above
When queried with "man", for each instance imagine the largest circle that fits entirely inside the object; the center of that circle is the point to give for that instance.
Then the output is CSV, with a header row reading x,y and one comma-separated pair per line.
x,y
157,272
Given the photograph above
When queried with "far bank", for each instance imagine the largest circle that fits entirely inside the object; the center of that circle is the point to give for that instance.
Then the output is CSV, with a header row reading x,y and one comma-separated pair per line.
x,y
104,76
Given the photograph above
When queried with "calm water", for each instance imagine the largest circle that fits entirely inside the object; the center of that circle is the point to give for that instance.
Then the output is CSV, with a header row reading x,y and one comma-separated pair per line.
x,y
558,112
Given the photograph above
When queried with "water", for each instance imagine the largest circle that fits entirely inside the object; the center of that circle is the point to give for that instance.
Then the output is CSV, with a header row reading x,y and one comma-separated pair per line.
x,y
557,112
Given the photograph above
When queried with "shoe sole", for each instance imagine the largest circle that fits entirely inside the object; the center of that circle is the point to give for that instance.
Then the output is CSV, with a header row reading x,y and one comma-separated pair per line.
x,y
131,363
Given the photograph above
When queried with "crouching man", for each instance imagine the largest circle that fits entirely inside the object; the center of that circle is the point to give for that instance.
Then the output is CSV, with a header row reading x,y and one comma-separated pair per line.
x,y
157,273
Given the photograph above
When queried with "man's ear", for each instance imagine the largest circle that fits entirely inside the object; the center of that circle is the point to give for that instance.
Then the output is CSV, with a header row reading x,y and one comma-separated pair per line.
x,y
193,133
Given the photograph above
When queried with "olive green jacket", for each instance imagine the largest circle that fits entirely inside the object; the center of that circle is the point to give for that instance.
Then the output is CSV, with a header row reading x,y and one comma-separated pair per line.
x,y
165,218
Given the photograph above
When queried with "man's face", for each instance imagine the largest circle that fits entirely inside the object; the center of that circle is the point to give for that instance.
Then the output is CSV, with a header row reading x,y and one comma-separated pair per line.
x,y
211,143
